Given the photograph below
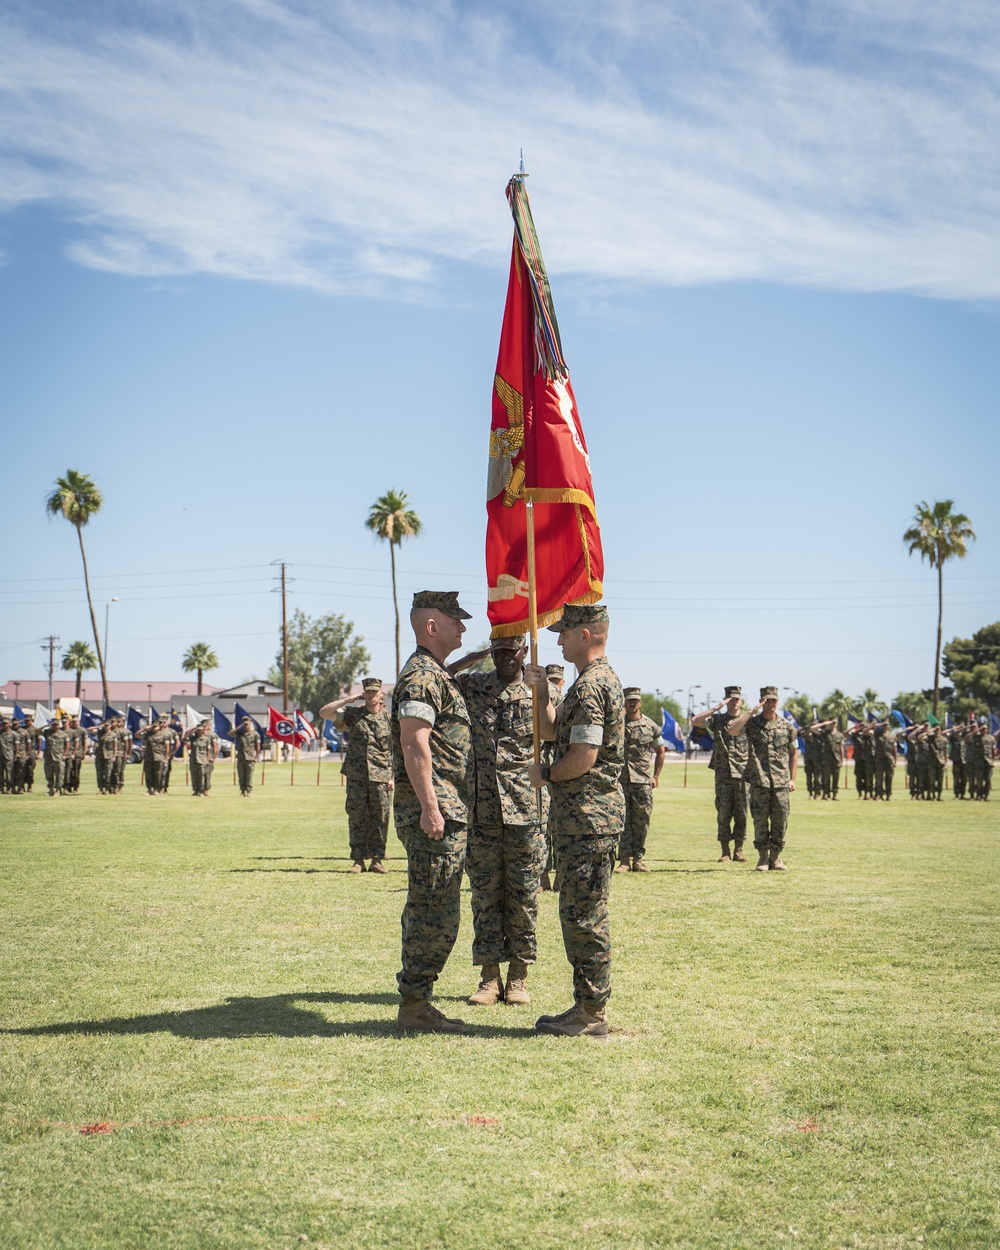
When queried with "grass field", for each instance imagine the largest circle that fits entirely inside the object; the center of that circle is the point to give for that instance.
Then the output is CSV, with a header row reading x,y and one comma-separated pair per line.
x,y
807,1059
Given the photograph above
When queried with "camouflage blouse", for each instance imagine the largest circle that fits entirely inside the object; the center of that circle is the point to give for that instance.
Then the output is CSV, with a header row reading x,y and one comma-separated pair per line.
x,y
592,712
247,743
770,743
369,747
426,690
642,736
503,744
729,754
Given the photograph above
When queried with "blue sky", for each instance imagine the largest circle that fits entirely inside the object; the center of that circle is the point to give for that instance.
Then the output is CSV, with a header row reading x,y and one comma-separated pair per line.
x,y
254,260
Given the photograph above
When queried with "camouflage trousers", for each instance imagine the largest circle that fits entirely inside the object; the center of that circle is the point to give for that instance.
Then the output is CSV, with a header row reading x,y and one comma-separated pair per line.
x,y
102,767
830,777
55,775
28,775
433,905
959,778
504,863
155,775
813,774
6,774
585,870
731,808
201,776
770,809
71,781
367,807
244,773
883,779
638,811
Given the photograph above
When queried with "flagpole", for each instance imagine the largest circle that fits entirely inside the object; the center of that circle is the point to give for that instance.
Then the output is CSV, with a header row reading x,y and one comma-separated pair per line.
x,y
536,709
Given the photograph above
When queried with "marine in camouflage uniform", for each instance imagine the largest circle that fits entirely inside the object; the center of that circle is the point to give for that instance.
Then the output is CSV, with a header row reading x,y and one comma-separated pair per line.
x,y
959,772
640,776
885,761
588,810
23,748
556,674
771,766
56,746
812,759
728,763
435,789
122,754
103,753
33,735
367,770
6,756
203,748
75,753
159,742
831,759
937,762
247,741
506,847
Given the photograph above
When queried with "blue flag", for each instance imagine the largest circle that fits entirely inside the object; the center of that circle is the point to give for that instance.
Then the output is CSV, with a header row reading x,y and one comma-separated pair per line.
x,y
872,718
994,723
670,733
136,721
221,722
701,738
18,713
88,719
112,713
901,719
788,716
240,712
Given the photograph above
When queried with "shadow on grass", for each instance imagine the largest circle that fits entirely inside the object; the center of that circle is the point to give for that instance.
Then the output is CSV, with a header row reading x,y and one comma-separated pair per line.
x,y
274,1016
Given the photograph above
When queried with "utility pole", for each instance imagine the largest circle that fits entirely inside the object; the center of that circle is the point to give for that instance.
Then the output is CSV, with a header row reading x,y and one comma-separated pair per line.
x,y
285,579
50,645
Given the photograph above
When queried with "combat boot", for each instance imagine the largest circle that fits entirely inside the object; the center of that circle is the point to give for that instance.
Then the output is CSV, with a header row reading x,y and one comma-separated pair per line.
x,y
775,864
763,863
624,866
579,1021
738,856
358,866
419,1016
515,991
377,866
639,864
490,987
725,857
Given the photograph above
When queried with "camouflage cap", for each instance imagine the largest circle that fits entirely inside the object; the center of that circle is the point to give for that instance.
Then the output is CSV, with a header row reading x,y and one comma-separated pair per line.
x,y
445,601
514,643
555,670
371,683
730,691
632,692
769,692
580,614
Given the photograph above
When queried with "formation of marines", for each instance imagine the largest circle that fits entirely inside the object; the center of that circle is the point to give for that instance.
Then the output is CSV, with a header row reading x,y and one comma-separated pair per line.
x,y
822,758
112,752
203,750
972,749
19,748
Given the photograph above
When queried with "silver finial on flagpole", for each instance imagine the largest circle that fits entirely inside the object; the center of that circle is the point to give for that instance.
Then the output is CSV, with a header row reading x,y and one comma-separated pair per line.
x,y
520,172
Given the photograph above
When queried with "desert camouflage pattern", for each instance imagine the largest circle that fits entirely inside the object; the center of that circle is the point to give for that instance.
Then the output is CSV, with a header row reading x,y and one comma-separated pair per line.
x,y
585,870
638,813
642,737
831,757
504,863
56,743
432,910
367,807
592,805
770,807
769,742
503,746
369,747
729,754
247,741
731,809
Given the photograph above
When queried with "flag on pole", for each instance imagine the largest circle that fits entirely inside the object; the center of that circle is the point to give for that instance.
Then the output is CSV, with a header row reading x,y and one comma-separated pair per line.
x,y
240,712
221,723
135,721
19,714
112,713
43,714
304,732
89,719
701,739
537,452
901,719
801,741
279,726
670,733
330,735
994,723
191,717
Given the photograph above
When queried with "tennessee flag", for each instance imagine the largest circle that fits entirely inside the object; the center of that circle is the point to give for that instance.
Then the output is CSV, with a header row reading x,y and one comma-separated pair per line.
x,y
537,452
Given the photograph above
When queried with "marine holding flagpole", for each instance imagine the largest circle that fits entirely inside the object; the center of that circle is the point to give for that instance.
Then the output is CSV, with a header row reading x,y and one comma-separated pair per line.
x,y
545,566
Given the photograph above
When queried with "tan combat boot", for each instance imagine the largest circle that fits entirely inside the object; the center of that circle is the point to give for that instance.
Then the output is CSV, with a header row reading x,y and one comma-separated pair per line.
x,y
624,866
419,1016
377,866
725,857
640,865
738,856
515,991
775,864
580,1021
357,866
490,987
762,862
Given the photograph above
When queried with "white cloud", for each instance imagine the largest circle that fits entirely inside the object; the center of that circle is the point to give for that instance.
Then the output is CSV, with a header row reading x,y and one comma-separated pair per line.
x,y
347,146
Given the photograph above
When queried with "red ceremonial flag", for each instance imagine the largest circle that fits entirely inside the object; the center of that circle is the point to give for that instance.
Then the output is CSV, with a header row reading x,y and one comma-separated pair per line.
x,y
537,452
281,727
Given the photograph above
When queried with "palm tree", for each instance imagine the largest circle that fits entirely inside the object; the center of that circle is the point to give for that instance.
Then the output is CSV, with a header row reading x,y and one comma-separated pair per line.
x,y
938,534
78,658
870,702
77,499
839,705
391,520
197,658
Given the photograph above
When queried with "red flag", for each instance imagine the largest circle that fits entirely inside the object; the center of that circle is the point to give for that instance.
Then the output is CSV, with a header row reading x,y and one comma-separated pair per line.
x,y
537,451
281,727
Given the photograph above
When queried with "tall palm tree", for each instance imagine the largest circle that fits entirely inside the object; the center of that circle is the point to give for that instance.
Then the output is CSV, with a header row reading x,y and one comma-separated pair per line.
x,y
197,658
870,702
839,705
77,499
78,658
938,534
391,520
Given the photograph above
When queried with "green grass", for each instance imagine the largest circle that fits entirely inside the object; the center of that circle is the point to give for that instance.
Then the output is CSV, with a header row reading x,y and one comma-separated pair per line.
x,y
807,1059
